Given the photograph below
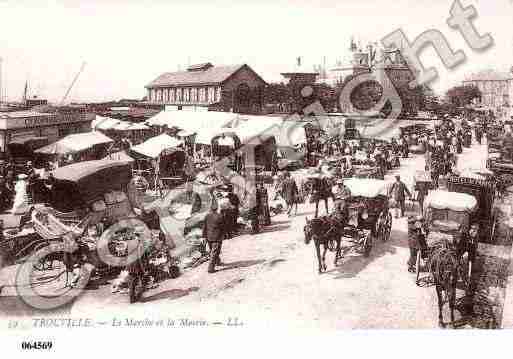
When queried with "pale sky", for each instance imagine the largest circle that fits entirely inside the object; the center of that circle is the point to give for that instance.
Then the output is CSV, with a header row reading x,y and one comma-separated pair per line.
x,y
126,44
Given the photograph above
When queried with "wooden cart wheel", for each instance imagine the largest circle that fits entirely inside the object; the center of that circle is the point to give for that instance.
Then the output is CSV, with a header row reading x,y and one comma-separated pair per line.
x,y
379,226
367,245
417,266
332,245
387,227
44,263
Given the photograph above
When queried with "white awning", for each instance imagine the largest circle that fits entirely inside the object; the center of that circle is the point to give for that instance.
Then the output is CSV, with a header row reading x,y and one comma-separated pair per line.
x,y
454,201
75,143
156,145
107,124
122,126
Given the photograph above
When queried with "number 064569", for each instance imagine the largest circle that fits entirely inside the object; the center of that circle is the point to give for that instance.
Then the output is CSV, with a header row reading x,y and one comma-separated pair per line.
x,y
36,345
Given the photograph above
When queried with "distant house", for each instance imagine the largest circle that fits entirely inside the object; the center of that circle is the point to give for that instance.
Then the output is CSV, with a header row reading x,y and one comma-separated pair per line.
x,y
496,90
235,87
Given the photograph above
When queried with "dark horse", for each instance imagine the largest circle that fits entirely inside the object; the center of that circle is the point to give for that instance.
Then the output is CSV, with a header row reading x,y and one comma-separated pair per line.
x,y
325,231
443,265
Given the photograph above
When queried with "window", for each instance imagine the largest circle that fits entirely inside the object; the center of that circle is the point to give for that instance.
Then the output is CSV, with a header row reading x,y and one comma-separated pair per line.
x,y
194,97
172,95
211,94
218,94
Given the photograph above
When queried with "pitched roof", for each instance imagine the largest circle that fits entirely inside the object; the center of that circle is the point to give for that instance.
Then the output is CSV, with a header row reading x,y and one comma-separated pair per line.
x,y
213,75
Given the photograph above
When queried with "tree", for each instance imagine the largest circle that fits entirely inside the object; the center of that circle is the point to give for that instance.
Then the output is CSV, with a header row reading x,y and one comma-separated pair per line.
x,y
364,96
461,96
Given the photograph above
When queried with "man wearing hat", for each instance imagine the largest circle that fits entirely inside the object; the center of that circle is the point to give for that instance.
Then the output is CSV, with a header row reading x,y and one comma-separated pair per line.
x,y
5,196
289,192
399,192
340,192
214,232
416,241
21,204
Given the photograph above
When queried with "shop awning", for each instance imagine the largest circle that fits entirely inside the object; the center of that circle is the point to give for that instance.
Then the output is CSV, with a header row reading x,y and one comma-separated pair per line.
x,y
156,145
32,142
138,127
107,124
122,126
75,143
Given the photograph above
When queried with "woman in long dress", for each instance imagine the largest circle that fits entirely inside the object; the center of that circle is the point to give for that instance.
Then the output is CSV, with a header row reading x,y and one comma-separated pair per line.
x,y
21,203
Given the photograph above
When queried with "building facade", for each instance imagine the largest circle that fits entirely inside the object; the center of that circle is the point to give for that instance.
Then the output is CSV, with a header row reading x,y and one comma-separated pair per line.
x,y
229,87
390,68
496,91
19,125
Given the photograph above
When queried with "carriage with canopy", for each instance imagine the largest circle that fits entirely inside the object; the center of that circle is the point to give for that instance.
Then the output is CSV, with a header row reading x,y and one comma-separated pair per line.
x,y
90,207
451,224
367,218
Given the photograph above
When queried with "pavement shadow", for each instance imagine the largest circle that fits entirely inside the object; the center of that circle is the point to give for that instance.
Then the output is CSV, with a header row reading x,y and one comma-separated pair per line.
x,y
240,264
398,239
273,228
171,294
350,266
274,262
275,223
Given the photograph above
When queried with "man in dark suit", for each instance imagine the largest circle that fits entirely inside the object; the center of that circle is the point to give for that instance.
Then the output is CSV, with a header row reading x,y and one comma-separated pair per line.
x,y
214,231
399,192
289,193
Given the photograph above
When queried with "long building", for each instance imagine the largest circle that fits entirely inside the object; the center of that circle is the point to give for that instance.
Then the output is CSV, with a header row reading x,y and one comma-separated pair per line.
x,y
20,126
230,88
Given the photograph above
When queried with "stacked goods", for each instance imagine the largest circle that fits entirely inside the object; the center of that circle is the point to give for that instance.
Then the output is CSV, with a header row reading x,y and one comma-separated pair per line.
x,y
489,280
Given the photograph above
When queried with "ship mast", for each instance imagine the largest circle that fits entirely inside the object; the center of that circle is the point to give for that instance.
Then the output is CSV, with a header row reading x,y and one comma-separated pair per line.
x,y
1,84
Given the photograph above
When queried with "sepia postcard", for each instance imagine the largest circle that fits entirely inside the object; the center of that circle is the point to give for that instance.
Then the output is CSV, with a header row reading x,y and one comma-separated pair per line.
x,y
294,174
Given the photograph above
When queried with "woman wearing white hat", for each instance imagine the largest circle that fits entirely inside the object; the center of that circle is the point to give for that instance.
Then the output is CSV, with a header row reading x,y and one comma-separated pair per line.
x,y
21,204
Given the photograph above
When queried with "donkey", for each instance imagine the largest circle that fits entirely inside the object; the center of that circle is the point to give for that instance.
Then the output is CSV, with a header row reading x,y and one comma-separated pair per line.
x,y
443,265
322,230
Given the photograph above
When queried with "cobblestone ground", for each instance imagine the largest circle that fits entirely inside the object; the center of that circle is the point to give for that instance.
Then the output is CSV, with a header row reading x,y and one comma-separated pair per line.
x,y
271,280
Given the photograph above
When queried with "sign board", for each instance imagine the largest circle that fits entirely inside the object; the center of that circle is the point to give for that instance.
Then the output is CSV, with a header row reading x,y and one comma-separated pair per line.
x,y
43,120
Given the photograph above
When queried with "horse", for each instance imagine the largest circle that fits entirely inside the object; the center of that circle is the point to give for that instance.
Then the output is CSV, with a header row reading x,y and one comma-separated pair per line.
x,y
323,232
443,266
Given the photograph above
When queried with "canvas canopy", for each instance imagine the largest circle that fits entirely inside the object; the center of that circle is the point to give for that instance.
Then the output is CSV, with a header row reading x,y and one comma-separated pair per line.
x,y
366,187
138,127
75,143
454,201
156,145
205,124
122,126
105,123
83,182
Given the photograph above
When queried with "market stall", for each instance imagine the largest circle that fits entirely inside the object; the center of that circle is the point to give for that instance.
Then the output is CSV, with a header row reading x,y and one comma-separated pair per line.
x,y
79,146
162,159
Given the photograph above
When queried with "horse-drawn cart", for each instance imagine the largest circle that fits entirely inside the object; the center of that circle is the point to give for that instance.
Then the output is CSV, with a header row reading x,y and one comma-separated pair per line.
x,y
366,217
452,235
449,223
91,210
